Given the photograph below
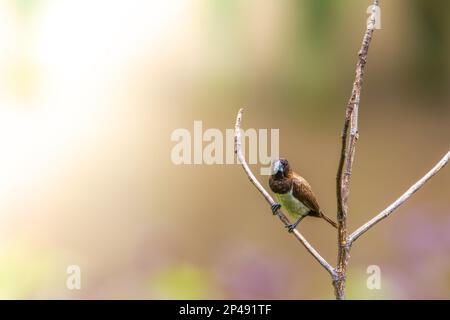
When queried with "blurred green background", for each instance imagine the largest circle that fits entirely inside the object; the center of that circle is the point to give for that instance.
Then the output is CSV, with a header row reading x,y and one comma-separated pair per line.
x,y
90,92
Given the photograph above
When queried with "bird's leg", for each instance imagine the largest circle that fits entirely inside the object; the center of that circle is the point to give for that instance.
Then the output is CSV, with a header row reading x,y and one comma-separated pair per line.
x,y
275,207
294,225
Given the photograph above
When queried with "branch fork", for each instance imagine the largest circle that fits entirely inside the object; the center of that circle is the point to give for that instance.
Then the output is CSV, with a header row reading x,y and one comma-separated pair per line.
x,y
349,138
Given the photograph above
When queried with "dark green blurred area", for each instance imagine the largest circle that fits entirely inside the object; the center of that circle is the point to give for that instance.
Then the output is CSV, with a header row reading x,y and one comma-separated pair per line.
x,y
312,65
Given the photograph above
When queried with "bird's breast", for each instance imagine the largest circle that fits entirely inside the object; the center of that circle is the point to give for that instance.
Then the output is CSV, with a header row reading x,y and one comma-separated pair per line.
x,y
292,205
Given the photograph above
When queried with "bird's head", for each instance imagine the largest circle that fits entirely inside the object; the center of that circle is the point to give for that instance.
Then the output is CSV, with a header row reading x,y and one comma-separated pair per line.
x,y
281,169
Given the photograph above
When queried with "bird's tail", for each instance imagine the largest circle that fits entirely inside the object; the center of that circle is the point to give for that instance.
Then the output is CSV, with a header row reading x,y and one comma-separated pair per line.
x,y
334,224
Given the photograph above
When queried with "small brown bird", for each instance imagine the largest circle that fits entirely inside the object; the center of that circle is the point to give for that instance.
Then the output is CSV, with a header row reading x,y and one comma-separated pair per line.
x,y
294,194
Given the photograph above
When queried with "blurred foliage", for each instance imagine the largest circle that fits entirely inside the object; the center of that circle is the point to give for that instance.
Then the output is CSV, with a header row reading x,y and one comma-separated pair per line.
x,y
432,47
182,281
357,286
319,17
28,8
25,273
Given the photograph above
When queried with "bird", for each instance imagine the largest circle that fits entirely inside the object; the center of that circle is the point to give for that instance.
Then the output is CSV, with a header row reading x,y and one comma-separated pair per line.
x,y
294,194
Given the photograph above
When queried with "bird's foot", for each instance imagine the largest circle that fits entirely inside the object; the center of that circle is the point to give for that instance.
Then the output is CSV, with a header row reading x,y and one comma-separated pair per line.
x,y
294,225
275,207
290,227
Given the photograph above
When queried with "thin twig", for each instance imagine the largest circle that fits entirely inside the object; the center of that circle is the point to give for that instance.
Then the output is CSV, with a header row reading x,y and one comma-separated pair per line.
x,y
397,203
266,195
349,139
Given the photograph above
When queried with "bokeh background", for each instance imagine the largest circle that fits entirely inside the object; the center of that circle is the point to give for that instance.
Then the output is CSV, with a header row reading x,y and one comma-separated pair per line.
x,y
90,92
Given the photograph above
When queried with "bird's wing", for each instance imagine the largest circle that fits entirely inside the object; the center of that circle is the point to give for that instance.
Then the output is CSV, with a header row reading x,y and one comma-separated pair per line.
x,y
303,192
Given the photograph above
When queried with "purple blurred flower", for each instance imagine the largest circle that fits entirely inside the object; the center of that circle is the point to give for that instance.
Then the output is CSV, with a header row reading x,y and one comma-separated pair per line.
x,y
250,274
421,241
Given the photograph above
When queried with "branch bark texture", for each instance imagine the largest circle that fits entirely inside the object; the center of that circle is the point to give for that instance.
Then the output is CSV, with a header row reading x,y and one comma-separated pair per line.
x,y
349,138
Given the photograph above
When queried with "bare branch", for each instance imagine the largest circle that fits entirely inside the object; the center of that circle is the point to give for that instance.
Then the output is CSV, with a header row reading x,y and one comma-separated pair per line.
x,y
351,122
266,195
397,203
349,139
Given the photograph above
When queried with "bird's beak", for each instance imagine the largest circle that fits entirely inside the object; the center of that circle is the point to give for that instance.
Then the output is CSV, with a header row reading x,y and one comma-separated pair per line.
x,y
276,167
